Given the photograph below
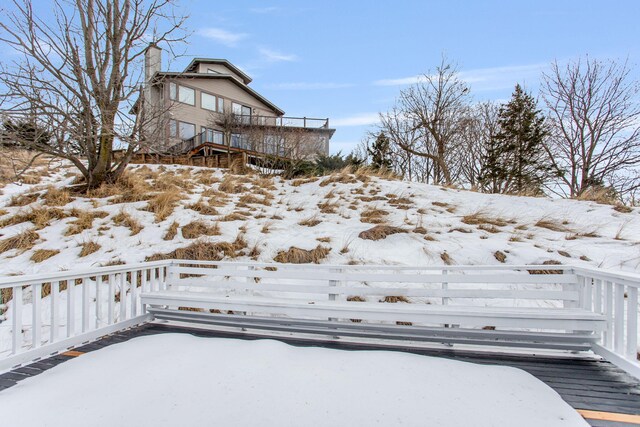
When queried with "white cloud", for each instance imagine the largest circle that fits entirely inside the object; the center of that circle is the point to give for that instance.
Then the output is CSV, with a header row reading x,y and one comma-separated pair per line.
x,y
361,119
308,85
271,55
223,36
482,78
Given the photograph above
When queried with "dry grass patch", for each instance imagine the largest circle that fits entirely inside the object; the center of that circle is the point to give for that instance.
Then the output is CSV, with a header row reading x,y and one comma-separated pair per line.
x,y
489,228
553,225
235,216
310,222
356,298
482,218
302,256
202,207
343,177
574,236
547,262
22,241
380,232
40,255
23,199
171,231
40,217
373,216
199,228
88,248
205,251
250,199
622,208
440,204
57,197
395,299
446,258
301,181
323,239
231,184
124,219
84,220
163,204
131,187
327,207
500,256
169,181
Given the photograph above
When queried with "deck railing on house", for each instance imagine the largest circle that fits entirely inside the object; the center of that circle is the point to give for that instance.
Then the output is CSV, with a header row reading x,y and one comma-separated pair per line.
x,y
48,313
246,121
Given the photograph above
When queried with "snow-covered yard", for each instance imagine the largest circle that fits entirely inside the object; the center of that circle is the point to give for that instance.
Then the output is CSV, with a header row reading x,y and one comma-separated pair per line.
x,y
176,379
434,225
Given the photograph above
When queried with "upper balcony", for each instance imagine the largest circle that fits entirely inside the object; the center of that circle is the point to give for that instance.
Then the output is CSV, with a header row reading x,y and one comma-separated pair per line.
x,y
290,122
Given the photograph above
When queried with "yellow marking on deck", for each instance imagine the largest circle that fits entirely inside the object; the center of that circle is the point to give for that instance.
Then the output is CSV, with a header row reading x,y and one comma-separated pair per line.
x,y
609,416
72,353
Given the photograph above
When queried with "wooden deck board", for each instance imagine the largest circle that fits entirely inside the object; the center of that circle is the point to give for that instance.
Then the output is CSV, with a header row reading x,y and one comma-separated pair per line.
x,y
585,384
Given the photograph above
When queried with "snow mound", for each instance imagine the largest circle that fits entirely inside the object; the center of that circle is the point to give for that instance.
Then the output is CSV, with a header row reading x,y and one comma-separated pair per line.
x,y
176,379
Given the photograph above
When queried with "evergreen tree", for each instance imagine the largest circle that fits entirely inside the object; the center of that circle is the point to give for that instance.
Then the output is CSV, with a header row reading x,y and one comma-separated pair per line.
x,y
515,160
380,152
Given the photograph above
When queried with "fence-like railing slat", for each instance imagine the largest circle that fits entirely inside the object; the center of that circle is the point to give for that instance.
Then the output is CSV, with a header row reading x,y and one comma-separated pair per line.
x,y
632,322
71,308
36,322
55,310
111,296
16,330
619,319
85,305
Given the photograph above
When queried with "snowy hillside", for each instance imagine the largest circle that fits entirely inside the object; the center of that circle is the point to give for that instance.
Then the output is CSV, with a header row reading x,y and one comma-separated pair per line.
x,y
175,211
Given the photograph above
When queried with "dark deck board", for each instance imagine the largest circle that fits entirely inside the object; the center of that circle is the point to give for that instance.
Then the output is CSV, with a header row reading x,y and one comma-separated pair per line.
x,y
583,383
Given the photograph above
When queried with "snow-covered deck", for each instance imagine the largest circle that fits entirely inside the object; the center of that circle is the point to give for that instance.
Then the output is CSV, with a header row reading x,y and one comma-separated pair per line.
x,y
594,387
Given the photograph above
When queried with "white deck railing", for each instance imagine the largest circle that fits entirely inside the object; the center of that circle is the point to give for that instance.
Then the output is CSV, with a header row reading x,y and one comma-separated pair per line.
x,y
48,313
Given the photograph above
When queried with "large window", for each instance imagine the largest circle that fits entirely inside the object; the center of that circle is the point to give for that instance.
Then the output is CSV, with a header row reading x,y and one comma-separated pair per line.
x,y
212,135
182,94
239,140
208,102
243,111
182,130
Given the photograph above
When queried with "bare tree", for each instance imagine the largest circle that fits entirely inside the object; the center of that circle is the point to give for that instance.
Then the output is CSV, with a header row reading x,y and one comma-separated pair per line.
x,y
78,74
595,124
436,106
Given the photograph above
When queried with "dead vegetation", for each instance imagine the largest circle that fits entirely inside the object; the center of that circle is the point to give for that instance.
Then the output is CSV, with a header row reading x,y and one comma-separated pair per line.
x,y
39,216
446,258
84,220
22,241
232,184
163,204
171,231
57,197
483,218
547,262
202,207
40,255
296,255
373,216
310,222
131,187
199,228
201,250
553,225
125,219
88,248
301,181
380,232
395,299
23,199
622,208
235,216
500,256
250,199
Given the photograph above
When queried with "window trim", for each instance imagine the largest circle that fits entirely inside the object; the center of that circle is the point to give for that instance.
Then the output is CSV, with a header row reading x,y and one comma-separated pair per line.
x,y
215,101
176,96
175,125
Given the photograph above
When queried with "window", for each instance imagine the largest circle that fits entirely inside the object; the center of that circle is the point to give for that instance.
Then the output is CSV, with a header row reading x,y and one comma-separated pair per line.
x,y
210,71
182,93
208,102
187,130
239,140
243,111
220,105
187,95
211,135
182,130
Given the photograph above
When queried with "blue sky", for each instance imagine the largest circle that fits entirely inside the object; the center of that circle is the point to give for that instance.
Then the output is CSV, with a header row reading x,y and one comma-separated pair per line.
x,y
348,60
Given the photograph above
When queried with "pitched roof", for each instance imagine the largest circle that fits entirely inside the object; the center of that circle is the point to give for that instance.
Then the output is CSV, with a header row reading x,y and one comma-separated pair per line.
x,y
195,61
159,75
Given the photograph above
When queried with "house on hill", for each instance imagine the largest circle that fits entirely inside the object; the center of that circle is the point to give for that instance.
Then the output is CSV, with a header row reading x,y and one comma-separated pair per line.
x,y
210,115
